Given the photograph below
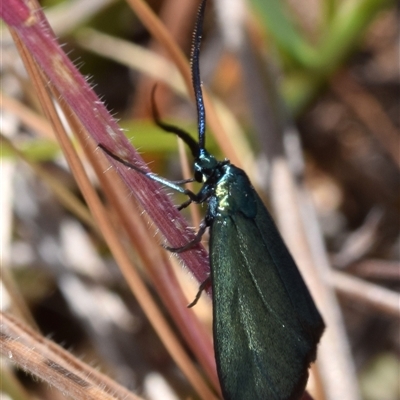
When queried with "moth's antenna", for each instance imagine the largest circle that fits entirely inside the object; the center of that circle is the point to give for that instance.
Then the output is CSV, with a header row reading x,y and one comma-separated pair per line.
x,y
198,94
190,142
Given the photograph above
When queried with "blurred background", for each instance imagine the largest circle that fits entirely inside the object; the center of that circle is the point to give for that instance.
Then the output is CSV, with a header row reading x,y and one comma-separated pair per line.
x,y
315,80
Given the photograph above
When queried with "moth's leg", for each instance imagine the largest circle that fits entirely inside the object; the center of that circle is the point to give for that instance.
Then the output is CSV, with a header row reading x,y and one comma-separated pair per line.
x,y
192,243
185,204
205,285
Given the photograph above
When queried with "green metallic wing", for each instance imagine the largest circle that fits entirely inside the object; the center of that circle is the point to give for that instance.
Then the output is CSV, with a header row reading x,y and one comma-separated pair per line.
x,y
266,326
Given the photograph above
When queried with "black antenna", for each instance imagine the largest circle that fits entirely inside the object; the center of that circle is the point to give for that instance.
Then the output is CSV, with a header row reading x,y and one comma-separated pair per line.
x,y
198,94
191,143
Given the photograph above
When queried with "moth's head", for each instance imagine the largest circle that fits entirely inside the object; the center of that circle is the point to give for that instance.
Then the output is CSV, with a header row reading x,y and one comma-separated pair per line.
x,y
204,166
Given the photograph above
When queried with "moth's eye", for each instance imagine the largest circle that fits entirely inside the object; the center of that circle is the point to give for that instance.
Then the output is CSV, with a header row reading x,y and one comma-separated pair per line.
x,y
198,176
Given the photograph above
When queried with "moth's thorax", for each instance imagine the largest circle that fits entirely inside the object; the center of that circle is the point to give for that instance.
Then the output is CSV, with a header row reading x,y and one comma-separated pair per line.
x,y
233,192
